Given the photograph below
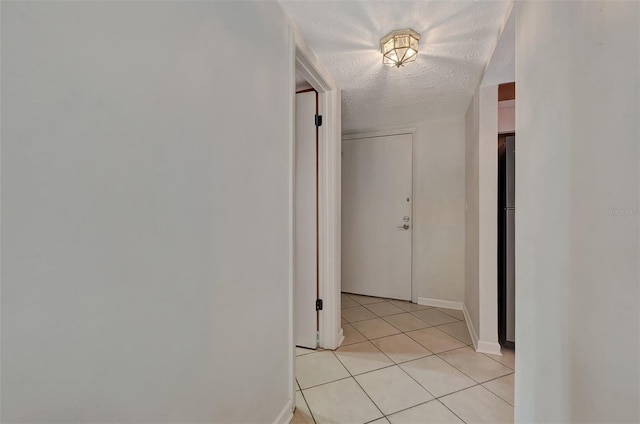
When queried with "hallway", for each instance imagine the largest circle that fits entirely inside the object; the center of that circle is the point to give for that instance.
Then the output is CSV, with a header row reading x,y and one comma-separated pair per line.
x,y
402,363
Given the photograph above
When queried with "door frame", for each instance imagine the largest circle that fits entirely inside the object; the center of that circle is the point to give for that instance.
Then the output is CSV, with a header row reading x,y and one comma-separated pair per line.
x,y
330,334
415,225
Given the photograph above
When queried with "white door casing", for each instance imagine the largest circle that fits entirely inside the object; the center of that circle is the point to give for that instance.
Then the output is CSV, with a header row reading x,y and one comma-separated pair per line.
x,y
305,211
377,221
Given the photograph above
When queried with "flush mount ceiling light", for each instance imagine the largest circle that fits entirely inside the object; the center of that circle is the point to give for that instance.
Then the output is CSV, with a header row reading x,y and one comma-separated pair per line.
x,y
399,47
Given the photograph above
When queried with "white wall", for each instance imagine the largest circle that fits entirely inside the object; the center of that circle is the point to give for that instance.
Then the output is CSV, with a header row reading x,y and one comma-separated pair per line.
x,y
578,219
472,220
488,220
145,211
439,209
481,182
481,275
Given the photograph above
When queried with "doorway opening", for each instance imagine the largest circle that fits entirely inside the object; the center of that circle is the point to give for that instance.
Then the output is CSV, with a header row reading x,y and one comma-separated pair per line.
x,y
506,215
307,301
323,227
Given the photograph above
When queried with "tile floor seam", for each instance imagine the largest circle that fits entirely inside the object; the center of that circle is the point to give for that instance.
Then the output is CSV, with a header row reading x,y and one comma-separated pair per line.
x,y
495,378
452,315
390,315
437,325
374,345
390,366
496,393
456,391
459,370
362,388
398,364
384,321
479,382
356,330
328,382
373,421
432,353
462,341
467,388
493,359
450,410
366,319
423,403
444,351
308,407
470,387
405,371
442,359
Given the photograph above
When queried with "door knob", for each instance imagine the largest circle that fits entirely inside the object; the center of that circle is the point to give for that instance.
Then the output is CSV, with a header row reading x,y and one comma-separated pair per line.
x,y
404,227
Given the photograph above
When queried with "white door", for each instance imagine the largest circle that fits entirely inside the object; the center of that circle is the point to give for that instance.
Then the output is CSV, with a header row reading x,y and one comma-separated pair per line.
x,y
376,216
305,218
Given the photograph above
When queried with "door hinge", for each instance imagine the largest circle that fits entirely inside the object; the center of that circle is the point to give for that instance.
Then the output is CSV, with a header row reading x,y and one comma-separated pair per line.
x,y
319,305
318,120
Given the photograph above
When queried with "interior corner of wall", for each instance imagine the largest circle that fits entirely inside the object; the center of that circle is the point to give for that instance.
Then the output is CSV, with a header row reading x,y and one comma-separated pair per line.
x,y
472,331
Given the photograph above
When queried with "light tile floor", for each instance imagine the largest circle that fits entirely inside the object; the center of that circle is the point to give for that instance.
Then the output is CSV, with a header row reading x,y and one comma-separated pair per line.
x,y
402,363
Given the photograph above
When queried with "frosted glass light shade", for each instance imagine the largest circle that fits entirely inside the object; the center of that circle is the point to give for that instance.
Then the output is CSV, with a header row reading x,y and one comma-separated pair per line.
x,y
399,47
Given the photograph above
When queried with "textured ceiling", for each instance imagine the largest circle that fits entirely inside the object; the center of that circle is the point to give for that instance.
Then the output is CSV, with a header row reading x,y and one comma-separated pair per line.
x,y
456,42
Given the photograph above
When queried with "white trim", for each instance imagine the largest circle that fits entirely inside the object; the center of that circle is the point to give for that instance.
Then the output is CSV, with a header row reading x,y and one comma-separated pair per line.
x,y
415,225
489,347
472,330
292,173
286,414
481,346
340,336
449,304
329,184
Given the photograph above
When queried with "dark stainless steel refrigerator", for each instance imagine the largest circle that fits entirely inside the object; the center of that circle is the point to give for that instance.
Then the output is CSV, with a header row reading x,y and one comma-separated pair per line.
x,y
506,241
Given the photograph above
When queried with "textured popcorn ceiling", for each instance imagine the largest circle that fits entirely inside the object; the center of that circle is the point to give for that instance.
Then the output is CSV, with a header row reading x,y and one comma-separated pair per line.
x,y
456,42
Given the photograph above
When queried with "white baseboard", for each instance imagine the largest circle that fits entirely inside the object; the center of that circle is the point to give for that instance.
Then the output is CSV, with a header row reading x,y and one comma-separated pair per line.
x,y
286,415
340,337
489,347
481,346
440,303
472,330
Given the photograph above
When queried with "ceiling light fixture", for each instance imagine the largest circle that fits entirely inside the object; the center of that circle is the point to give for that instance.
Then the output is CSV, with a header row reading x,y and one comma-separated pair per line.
x,y
399,47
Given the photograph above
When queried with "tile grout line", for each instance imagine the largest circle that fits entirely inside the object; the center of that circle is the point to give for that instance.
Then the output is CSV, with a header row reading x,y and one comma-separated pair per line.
x,y
422,403
497,378
404,362
411,313
402,313
450,410
356,330
308,407
479,382
362,388
410,376
453,366
487,355
390,366
328,382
